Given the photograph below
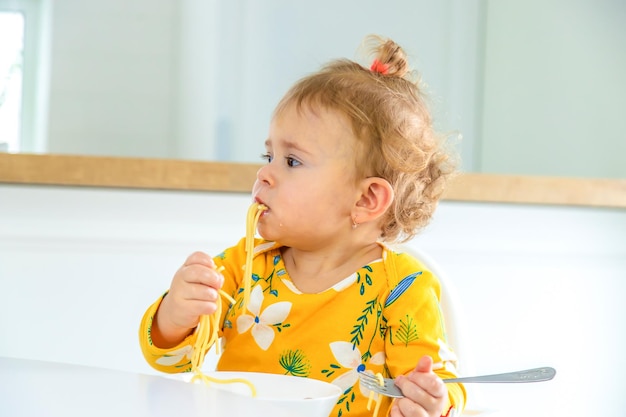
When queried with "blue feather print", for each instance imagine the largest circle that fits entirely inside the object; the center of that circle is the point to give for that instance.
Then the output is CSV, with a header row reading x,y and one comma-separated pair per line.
x,y
402,286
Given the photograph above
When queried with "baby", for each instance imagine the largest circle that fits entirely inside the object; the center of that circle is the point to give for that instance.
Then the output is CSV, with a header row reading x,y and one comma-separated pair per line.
x,y
353,165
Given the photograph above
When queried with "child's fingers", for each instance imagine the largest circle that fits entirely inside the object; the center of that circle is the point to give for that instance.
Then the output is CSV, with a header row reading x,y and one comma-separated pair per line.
x,y
425,364
424,391
407,408
430,383
205,276
424,377
421,390
419,400
199,258
199,268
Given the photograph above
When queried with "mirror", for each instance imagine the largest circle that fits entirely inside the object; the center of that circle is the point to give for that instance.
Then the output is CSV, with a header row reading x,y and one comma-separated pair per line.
x,y
534,88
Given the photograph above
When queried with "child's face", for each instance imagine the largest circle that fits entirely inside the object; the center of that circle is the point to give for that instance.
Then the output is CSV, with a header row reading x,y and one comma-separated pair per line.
x,y
308,183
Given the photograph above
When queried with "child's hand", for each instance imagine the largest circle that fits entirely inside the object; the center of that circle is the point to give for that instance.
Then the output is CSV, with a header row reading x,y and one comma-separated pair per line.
x,y
425,393
193,292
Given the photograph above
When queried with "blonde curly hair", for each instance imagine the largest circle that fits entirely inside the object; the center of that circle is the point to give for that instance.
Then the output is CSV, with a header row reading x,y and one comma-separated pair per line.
x,y
390,118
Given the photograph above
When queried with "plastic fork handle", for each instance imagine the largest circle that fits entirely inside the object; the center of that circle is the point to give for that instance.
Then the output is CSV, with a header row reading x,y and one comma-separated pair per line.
x,y
529,375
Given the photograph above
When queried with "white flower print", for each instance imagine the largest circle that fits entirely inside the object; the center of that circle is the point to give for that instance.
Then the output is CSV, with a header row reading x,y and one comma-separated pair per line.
x,y
349,357
261,322
176,356
448,358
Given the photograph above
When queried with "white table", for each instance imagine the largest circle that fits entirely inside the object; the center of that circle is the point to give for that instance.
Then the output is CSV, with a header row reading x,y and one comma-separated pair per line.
x,y
47,389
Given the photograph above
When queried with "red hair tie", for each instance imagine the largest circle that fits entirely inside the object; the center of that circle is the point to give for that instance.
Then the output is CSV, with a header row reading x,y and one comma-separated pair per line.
x,y
379,67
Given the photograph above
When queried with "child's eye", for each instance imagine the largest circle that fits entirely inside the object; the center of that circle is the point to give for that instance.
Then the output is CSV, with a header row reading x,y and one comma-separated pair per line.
x,y
267,157
292,162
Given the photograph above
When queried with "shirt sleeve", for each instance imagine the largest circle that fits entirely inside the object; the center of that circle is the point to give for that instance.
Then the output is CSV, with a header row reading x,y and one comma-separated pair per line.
x,y
178,358
172,360
415,328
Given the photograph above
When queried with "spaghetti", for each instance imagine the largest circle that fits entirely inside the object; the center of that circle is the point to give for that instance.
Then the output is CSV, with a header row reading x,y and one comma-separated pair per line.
x,y
207,331
381,382
254,213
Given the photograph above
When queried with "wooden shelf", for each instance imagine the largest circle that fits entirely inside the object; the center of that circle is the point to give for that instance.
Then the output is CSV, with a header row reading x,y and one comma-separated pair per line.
x,y
165,174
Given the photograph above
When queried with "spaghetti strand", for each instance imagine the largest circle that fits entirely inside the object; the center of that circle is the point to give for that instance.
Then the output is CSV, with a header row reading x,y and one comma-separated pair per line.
x,y
207,331
254,213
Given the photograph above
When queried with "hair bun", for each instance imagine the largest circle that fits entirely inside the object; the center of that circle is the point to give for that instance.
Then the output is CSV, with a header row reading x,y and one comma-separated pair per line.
x,y
389,58
379,67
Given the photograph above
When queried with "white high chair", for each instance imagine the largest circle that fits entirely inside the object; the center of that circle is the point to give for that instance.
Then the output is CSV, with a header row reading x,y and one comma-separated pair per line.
x,y
452,308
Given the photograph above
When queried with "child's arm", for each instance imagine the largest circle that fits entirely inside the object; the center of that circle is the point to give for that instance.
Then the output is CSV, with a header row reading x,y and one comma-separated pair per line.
x,y
193,292
415,331
166,330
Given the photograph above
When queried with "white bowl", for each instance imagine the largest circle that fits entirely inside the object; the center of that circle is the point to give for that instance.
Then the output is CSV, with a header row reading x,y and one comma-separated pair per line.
x,y
301,397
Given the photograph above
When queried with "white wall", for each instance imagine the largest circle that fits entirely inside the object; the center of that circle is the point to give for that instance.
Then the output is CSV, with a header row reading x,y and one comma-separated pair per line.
x,y
113,77
198,79
534,88
540,285
267,46
554,88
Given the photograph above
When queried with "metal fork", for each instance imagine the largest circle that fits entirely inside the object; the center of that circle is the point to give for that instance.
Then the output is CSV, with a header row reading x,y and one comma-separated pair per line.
x,y
389,389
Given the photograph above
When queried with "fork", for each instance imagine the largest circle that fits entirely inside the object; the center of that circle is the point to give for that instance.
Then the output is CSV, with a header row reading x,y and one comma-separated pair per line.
x,y
389,389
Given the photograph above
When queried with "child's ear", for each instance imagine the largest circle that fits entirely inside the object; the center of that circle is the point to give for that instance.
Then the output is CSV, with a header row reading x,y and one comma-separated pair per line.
x,y
376,197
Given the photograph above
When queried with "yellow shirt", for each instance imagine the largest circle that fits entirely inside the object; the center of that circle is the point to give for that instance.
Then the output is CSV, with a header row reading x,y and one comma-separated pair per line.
x,y
382,318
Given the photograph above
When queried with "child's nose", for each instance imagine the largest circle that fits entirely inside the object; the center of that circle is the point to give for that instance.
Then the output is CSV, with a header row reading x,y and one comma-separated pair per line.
x,y
264,174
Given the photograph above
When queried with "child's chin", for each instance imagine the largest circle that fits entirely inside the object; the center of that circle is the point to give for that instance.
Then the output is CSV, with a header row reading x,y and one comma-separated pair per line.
x,y
269,234
264,233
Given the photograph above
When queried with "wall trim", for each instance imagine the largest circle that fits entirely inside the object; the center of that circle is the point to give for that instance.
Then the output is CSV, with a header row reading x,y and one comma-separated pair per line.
x,y
167,174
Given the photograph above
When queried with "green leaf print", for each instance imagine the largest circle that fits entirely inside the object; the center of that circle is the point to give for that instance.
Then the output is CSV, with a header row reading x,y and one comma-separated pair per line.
x,y
364,280
281,326
150,331
361,322
382,328
295,363
346,399
407,332
329,372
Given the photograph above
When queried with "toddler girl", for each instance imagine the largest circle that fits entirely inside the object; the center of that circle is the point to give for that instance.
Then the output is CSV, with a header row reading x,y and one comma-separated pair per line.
x,y
353,164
